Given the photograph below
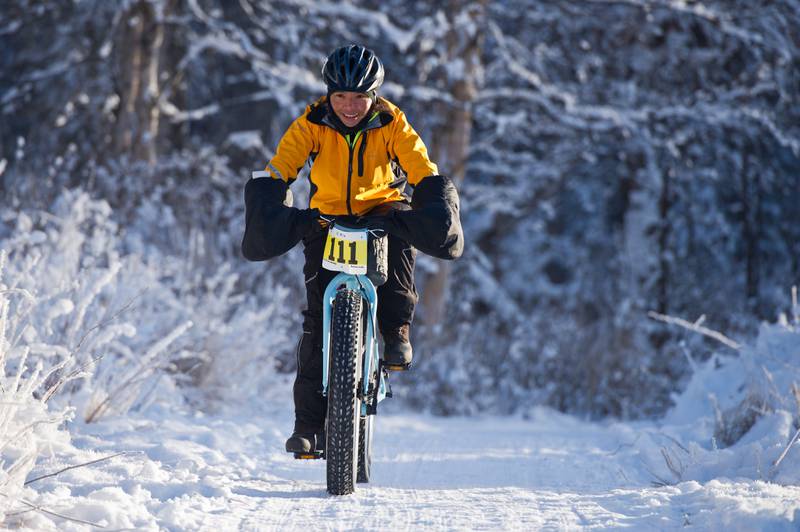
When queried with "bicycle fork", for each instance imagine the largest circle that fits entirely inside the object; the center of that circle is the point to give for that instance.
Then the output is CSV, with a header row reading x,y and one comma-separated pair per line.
x,y
370,393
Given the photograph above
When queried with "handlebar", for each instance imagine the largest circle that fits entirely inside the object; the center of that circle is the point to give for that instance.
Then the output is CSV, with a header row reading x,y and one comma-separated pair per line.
x,y
353,222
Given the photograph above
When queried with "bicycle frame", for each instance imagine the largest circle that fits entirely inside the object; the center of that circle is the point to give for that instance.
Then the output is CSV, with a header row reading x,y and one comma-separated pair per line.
x,y
371,362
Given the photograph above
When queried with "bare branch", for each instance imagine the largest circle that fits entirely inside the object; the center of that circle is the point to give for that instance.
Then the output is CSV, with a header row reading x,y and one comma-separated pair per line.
x,y
37,508
676,470
79,372
625,445
696,327
784,453
676,442
103,323
31,481
76,374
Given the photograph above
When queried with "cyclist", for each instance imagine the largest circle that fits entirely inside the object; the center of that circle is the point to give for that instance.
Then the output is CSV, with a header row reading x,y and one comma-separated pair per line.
x,y
359,144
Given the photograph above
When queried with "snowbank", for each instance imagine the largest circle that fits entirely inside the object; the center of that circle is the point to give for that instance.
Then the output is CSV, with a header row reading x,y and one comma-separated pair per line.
x,y
737,419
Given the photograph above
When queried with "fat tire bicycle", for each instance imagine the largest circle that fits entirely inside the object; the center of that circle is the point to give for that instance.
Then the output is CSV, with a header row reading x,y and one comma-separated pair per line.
x,y
354,377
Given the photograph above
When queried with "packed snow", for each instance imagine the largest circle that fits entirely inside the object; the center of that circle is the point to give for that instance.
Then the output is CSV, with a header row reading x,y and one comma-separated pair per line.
x,y
193,471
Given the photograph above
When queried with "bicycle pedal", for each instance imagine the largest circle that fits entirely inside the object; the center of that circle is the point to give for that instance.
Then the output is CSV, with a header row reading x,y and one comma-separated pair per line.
x,y
316,455
397,367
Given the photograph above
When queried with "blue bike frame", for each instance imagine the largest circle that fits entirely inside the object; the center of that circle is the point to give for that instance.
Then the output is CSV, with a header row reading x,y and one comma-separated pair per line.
x,y
369,294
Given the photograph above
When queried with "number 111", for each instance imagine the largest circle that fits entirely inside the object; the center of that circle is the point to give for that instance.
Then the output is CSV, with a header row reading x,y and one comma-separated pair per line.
x,y
340,259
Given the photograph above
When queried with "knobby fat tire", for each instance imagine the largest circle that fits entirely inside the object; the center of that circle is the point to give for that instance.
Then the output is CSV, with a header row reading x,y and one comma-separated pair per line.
x,y
344,407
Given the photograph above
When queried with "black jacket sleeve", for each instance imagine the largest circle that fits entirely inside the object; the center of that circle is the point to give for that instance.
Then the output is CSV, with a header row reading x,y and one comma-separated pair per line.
x,y
433,225
271,227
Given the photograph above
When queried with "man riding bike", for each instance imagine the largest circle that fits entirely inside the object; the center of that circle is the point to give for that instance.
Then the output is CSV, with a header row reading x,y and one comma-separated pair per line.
x,y
363,152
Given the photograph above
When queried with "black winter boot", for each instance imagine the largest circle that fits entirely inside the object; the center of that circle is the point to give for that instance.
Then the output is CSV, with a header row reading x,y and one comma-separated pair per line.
x,y
300,443
397,352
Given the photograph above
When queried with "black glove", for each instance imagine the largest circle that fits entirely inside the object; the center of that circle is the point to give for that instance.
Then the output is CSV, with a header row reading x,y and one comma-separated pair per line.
x,y
433,224
312,224
271,227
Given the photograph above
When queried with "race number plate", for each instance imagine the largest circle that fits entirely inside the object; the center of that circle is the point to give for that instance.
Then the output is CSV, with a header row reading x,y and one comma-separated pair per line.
x,y
346,251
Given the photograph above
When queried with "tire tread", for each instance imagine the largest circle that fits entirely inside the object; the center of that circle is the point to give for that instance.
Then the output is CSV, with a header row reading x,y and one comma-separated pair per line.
x,y
341,452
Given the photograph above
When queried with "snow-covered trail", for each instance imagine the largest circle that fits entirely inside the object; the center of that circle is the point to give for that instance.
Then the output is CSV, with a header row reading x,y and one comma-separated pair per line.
x,y
551,472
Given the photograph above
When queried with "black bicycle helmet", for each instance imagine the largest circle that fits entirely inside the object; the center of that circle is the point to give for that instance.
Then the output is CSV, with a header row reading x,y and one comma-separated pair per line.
x,y
353,68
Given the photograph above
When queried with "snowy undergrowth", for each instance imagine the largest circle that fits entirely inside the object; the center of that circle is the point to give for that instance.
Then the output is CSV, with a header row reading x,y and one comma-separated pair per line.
x,y
94,323
737,418
28,427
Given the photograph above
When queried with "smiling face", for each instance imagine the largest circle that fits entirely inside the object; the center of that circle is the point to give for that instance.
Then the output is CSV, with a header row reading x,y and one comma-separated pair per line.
x,y
351,107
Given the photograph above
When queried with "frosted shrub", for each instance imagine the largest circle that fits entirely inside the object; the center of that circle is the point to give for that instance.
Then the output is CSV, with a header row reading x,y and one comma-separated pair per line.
x,y
127,322
67,260
28,426
739,416
769,380
772,382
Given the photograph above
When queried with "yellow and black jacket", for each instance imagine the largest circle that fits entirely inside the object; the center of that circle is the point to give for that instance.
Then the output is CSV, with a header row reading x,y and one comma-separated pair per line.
x,y
352,173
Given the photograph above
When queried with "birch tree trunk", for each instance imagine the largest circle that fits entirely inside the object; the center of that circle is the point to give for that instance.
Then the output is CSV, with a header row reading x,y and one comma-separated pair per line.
x,y
138,63
451,138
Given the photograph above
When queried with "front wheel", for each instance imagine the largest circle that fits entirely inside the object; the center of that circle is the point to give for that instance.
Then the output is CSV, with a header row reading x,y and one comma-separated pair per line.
x,y
344,406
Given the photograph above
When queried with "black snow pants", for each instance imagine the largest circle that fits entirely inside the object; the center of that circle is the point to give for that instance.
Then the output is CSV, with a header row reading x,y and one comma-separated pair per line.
x,y
396,301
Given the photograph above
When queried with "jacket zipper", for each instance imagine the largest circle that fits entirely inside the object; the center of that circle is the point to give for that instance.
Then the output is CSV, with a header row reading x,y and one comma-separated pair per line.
x,y
349,178
361,154
350,168
350,148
